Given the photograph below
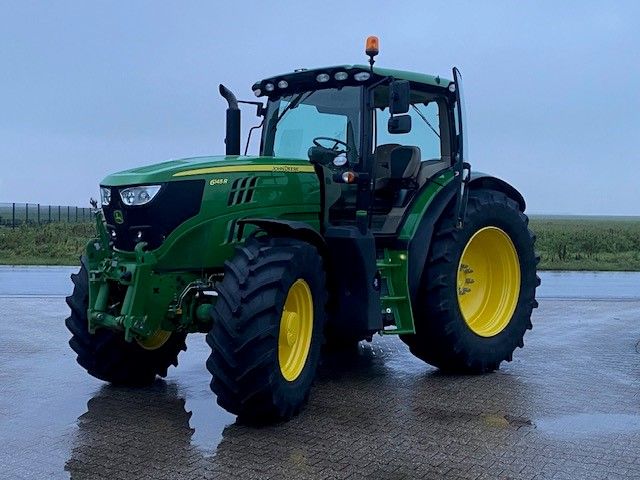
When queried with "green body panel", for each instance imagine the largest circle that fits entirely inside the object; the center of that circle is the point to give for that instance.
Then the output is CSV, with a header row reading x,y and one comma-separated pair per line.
x,y
421,205
433,80
150,283
394,265
393,268
177,169
208,239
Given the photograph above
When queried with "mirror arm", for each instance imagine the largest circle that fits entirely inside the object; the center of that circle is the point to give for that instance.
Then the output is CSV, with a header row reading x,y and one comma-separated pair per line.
x,y
260,110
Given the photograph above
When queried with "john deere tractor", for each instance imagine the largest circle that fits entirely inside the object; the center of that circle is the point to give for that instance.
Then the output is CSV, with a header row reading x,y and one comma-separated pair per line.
x,y
360,215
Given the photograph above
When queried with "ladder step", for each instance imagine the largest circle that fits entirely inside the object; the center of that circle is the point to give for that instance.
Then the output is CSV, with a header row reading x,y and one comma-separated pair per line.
x,y
384,266
392,299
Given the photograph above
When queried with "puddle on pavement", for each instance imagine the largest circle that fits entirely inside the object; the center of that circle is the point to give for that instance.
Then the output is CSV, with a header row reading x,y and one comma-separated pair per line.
x,y
181,406
589,424
208,421
162,417
206,418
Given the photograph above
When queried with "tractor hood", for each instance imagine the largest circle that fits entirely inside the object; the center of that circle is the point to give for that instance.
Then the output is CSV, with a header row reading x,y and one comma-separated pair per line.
x,y
189,168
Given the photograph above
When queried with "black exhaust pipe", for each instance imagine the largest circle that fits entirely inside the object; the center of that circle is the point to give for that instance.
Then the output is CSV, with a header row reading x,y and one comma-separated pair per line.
x,y
232,139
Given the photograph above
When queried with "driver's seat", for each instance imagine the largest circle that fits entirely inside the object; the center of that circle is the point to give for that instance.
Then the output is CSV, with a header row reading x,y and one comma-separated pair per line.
x,y
396,166
404,165
382,158
396,190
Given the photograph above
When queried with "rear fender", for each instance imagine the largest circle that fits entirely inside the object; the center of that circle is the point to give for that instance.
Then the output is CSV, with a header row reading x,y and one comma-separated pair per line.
x,y
485,181
420,243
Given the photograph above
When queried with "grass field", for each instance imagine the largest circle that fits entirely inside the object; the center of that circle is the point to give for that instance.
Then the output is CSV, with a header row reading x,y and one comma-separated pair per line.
x,y
587,243
564,243
51,244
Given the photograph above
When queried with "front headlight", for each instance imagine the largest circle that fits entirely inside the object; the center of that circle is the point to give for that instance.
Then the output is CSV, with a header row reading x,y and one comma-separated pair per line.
x,y
105,195
139,195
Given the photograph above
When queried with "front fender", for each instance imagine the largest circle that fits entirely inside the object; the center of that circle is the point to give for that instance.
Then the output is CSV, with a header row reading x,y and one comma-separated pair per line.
x,y
288,228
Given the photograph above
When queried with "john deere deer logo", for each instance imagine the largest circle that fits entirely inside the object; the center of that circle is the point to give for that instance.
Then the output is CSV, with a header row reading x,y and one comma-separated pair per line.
x,y
118,217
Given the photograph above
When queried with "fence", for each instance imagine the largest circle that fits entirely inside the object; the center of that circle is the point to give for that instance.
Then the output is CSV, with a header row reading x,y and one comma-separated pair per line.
x,y
15,214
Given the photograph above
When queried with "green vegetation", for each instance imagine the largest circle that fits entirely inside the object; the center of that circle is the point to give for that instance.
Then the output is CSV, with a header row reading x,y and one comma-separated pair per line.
x,y
587,243
564,243
51,244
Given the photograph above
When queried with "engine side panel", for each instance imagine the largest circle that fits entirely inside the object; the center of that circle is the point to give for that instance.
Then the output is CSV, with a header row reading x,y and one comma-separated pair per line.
x,y
207,237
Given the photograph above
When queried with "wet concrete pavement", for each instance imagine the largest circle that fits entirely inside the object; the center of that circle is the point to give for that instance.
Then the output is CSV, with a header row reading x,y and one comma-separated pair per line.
x,y
39,281
568,406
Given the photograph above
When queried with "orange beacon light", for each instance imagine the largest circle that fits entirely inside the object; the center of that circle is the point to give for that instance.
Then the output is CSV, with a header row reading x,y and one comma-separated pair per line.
x,y
372,48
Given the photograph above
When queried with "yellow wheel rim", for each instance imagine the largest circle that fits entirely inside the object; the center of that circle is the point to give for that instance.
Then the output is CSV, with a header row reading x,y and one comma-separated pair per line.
x,y
155,341
296,328
488,281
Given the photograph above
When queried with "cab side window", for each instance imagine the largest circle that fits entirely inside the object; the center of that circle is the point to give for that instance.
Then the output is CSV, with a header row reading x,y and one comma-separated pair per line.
x,y
425,129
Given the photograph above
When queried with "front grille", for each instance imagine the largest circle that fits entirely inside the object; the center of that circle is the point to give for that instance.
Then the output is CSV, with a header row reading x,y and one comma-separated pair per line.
x,y
152,223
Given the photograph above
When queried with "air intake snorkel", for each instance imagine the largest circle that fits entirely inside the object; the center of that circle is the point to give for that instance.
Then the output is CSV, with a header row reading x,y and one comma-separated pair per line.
x,y
232,139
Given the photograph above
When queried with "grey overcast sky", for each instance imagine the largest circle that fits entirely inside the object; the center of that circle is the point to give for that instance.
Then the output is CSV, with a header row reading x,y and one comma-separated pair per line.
x,y
88,88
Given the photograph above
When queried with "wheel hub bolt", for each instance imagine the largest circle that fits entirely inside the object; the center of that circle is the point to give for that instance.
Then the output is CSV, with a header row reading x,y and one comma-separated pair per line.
x,y
465,270
292,333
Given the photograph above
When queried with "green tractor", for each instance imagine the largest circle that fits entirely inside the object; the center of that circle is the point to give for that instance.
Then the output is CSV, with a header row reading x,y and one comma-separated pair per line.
x,y
360,215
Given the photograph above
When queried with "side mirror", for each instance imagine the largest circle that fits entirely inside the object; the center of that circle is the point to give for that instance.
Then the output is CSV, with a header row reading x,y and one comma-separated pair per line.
x,y
399,124
399,91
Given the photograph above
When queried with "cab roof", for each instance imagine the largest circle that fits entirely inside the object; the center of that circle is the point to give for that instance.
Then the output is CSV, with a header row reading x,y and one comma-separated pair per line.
x,y
302,78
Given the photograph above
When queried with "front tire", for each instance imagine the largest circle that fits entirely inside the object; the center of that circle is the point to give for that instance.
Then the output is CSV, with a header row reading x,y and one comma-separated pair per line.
x,y
267,329
106,355
478,289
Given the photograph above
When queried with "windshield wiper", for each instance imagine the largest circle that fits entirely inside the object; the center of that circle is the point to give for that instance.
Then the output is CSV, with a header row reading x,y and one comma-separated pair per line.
x,y
293,104
425,120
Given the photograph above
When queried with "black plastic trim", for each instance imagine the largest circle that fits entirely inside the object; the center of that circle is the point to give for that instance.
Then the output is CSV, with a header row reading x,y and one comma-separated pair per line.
x,y
175,203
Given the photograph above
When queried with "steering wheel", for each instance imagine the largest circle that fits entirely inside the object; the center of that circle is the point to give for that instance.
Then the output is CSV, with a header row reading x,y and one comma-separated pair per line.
x,y
336,143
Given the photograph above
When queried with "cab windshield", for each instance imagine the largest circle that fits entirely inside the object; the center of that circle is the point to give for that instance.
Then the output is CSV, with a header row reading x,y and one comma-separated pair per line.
x,y
293,121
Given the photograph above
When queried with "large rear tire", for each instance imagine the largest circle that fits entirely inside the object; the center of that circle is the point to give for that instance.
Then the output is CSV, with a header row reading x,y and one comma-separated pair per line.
x,y
106,355
478,289
267,329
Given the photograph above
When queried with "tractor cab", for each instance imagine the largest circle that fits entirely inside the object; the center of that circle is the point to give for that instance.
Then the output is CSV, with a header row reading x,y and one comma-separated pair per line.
x,y
375,136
